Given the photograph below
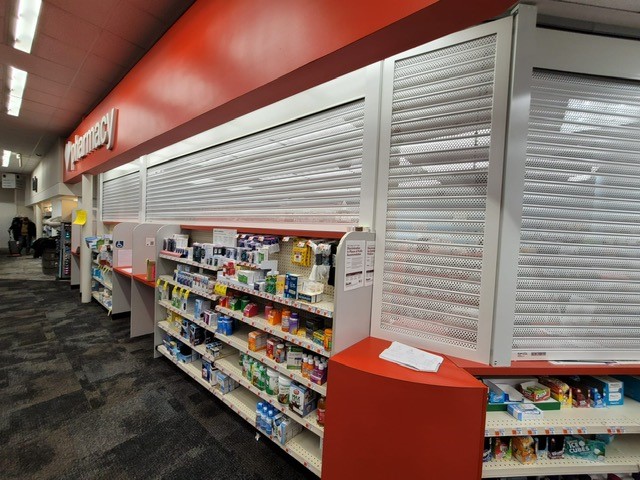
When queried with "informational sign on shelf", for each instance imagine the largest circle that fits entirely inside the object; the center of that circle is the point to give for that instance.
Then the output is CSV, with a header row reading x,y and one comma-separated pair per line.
x,y
149,241
354,265
369,263
225,237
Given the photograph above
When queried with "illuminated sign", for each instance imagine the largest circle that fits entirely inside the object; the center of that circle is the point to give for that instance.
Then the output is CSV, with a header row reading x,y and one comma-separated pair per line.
x,y
101,134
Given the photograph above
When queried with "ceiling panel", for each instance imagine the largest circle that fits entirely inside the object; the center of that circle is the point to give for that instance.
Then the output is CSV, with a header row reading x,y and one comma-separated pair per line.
x,y
134,25
41,84
92,11
45,99
117,50
63,26
103,69
54,50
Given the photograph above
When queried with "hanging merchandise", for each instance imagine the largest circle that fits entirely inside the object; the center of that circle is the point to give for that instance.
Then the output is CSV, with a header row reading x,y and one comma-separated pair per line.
x,y
332,271
301,254
322,263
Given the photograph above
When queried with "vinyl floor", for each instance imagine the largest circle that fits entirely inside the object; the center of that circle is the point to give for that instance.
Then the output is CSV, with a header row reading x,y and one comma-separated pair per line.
x,y
79,399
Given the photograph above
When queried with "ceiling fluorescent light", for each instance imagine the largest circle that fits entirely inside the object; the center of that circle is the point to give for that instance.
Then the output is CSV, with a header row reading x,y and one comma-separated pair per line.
x,y
28,13
6,156
17,83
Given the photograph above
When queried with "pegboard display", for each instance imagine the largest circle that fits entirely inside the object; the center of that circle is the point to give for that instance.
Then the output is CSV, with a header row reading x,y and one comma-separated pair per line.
x,y
283,257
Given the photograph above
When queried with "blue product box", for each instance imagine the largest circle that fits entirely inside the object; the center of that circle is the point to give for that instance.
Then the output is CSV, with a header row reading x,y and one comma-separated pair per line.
x,y
612,389
206,370
631,385
200,307
291,285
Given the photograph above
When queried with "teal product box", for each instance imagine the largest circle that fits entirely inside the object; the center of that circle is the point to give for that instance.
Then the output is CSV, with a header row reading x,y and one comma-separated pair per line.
x,y
225,382
631,385
612,389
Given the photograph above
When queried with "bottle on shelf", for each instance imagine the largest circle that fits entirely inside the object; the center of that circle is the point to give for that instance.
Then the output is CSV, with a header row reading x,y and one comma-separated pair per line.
x,y
321,411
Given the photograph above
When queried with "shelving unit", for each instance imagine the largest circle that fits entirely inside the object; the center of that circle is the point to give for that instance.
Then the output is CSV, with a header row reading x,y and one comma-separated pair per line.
x,y
99,298
569,421
305,447
64,252
622,456
76,234
122,254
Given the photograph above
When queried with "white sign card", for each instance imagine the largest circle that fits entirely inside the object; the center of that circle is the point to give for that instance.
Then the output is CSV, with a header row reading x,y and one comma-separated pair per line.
x,y
149,241
8,180
124,257
225,237
354,265
369,264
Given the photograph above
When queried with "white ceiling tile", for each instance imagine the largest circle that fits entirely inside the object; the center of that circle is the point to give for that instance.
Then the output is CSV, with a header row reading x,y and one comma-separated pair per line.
x,y
55,51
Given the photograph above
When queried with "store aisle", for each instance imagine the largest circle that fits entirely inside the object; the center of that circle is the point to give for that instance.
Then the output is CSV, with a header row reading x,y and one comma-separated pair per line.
x,y
82,400
24,267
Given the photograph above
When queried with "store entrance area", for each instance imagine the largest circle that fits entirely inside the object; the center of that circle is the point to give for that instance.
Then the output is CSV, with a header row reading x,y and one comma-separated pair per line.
x,y
83,400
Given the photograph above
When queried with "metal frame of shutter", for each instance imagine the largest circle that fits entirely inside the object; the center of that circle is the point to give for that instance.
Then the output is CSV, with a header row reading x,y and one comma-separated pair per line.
x,y
442,143
121,198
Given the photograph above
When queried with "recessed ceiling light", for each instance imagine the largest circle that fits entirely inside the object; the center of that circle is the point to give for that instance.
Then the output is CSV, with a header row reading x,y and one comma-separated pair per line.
x,y
28,13
17,82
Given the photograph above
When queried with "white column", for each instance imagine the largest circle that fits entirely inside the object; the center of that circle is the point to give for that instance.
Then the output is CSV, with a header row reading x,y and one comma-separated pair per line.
x,y
87,231
37,213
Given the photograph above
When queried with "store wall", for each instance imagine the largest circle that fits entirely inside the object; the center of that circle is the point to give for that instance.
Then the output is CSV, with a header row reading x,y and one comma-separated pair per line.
x,y
224,59
50,181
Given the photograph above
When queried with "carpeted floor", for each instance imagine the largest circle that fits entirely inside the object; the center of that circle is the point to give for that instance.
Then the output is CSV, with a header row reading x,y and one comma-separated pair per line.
x,y
80,400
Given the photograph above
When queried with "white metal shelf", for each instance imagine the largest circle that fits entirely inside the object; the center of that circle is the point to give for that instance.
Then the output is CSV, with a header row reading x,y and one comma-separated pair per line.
x,y
201,349
97,298
622,456
103,283
239,341
304,447
189,262
612,420
262,324
171,281
324,308
229,366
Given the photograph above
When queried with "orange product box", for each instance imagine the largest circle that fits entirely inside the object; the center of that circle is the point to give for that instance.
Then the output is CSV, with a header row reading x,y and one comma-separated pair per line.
x,y
257,340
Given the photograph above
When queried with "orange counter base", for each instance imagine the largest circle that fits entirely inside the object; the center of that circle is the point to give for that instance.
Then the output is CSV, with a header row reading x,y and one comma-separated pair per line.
x,y
387,421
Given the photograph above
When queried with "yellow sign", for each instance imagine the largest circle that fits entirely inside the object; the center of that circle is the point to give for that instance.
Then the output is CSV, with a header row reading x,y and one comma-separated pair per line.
x,y
81,217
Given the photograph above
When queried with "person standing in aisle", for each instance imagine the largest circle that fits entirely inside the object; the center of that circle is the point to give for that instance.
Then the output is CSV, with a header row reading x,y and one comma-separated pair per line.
x,y
27,233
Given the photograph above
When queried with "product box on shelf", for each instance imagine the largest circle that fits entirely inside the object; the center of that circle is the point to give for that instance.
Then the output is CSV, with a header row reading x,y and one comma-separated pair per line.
x,y
523,449
200,307
524,411
612,389
535,391
302,400
584,394
503,391
285,428
226,384
631,385
560,391
584,448
294,356
257,340
196,335
186,354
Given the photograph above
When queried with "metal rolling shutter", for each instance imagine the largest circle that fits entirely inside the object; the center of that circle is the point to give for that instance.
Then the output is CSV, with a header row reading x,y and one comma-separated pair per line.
x,y
579,269
307,171
437,193
121,198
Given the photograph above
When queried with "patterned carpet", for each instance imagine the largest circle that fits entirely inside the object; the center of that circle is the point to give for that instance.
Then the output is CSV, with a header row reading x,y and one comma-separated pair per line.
x,y
80,400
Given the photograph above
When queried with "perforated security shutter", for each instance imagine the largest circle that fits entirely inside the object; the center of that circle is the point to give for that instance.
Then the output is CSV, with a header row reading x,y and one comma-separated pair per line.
x,y
579,269
307,172
121,198
437,195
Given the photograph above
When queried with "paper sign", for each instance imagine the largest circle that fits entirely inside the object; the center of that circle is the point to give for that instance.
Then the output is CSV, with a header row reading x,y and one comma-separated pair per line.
x,y
354,265
225,237
370,259
124,257
150,241
81,217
